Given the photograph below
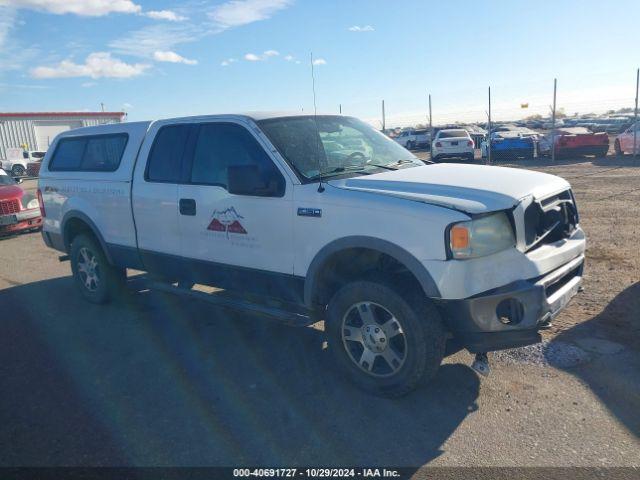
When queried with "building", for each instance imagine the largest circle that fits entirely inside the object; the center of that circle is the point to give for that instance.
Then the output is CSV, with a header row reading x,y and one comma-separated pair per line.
x,y
36,130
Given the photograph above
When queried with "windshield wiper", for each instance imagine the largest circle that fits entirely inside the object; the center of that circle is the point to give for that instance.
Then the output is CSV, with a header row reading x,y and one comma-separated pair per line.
x,y
339,170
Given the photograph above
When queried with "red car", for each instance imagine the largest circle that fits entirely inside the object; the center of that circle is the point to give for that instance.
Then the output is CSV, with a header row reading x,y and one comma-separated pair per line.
x,y
19,210
575,142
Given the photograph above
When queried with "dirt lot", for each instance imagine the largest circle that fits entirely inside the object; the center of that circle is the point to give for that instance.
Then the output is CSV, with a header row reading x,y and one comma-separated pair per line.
x,y
163,381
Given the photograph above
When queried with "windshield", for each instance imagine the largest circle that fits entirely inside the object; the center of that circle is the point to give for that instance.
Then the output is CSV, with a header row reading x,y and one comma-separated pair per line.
x,y
334,145
6,180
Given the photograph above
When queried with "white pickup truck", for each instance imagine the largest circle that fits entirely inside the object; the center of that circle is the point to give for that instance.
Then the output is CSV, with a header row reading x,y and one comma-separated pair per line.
x,y
319,218
18,159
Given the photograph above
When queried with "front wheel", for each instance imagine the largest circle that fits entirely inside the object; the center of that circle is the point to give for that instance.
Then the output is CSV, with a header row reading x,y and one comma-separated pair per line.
x,y
17,171
97,280
386,342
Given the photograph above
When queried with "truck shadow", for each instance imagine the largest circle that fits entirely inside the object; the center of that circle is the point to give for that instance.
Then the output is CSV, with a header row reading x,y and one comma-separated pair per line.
x,y
162,380
613,374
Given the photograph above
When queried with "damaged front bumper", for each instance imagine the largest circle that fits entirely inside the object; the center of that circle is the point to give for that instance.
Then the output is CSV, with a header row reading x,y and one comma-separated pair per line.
x,y
512,315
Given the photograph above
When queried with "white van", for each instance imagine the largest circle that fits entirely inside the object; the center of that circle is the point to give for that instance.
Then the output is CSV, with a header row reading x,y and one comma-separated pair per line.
x,y
319,218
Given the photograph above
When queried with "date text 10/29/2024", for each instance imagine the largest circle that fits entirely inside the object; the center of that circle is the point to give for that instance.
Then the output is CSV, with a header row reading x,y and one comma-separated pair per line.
x,y
316,472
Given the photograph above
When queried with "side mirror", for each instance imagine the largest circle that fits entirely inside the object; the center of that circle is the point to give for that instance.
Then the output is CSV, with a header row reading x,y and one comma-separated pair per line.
x,y
248,180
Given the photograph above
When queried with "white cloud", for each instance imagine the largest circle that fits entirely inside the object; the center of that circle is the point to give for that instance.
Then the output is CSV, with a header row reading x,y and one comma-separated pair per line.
x,y
288,58
319,61
235,13
7,21
227,62
172,57
252,57
165,15
96,65
161,37
364,28
89,8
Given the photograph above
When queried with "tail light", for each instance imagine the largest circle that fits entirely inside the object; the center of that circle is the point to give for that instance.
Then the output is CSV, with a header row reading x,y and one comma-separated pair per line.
x,y
41,203
470,143
438,144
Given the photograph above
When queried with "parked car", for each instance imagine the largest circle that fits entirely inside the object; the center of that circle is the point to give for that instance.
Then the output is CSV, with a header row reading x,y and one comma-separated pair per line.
x,y
509,145
575,141
452,143
18,210
18,159
397,257
549,123
411,139
624,142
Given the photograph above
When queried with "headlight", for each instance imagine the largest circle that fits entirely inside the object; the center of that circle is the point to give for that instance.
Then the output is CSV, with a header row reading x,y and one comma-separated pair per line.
x,y
481,236
33,204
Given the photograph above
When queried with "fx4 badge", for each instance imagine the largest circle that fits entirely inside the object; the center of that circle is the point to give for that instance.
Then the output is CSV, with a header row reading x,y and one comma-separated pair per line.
x,y
228,221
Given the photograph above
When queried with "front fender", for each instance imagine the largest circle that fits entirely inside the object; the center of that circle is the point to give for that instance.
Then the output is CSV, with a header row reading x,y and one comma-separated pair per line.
x,y
399,254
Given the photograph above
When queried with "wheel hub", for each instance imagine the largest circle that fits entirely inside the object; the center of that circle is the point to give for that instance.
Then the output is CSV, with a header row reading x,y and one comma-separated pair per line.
x,y
374,338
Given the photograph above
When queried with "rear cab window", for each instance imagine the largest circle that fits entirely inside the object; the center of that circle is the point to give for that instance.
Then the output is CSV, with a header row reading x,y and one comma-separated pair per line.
x,y
96,153
166,156
453,134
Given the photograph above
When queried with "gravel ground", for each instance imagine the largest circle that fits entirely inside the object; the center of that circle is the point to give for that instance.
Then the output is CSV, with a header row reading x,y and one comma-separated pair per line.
x,y
163,381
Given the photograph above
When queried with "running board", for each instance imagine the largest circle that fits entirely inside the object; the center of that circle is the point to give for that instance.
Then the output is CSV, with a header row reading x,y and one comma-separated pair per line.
x,y
282,315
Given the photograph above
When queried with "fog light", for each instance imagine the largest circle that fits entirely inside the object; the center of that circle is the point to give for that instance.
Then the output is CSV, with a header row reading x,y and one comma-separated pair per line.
x,y
510,311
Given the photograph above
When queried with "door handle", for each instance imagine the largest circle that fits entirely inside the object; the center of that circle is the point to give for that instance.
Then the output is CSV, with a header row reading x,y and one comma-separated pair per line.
x,y
187,206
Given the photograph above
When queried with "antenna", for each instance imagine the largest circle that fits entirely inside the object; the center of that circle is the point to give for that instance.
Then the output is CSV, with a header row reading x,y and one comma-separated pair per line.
x,y
315,121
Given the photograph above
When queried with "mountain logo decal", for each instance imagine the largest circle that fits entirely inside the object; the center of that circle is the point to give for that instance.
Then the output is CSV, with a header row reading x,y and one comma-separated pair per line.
x,y
227,221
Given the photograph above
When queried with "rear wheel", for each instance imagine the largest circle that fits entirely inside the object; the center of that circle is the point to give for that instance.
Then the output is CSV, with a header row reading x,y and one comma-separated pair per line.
x,y
17,171
386,342
97,280
618,148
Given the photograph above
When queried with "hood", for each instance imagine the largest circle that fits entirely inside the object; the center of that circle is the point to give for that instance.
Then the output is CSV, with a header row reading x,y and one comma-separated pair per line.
x,y
467,188
8,192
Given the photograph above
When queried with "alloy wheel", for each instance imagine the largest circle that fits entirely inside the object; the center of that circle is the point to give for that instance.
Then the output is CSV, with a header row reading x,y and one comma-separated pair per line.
x,y
88,269
374,339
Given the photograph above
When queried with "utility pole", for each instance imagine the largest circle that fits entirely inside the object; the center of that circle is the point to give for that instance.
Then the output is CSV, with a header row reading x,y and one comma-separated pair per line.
x,y
489,132
340,108
430,126
553,122
102,106
635,116
384,125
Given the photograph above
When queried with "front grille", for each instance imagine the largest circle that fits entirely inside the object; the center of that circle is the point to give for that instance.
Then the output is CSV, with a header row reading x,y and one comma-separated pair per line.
x,y
8,207
550,220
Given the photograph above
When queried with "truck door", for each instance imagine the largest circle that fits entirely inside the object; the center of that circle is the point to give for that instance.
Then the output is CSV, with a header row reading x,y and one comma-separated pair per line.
x,y
155,198
235,239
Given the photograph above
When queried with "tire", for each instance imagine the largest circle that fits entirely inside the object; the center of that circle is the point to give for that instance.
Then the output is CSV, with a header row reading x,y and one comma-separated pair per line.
x,y
471,157
617,148
410,145
101,282
17,171
400,334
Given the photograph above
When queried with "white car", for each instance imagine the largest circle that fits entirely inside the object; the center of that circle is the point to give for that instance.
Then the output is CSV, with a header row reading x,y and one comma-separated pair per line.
x,y
624,142
452,143
411,139
18,159
309,218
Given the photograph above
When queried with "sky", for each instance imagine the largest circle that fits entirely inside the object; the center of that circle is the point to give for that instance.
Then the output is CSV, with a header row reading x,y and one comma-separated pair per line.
x,y
159,59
